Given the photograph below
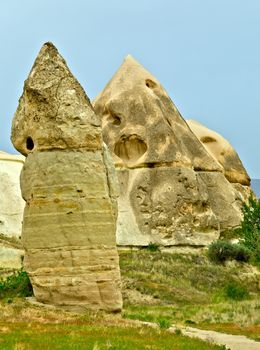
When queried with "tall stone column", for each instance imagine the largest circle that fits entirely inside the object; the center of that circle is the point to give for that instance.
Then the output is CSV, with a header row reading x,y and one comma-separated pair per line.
x,y
70,192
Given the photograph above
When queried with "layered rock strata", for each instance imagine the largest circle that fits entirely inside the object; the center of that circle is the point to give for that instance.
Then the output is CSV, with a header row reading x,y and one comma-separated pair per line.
x,y
173,191
68,185
11,210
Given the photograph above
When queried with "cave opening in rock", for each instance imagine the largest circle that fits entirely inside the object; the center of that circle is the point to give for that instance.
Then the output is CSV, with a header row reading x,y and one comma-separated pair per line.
x,y
115,120
150,84
29,143
130,148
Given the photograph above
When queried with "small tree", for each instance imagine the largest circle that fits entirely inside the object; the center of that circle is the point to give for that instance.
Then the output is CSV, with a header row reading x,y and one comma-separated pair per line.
x,y
250,226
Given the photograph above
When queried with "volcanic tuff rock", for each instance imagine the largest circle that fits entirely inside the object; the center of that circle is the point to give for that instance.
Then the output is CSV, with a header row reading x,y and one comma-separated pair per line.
x,y
173,191
11,210
222,151
68,185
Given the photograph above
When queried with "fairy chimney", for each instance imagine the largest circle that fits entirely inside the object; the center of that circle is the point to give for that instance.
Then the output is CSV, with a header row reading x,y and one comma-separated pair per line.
x,y
173,191
68,184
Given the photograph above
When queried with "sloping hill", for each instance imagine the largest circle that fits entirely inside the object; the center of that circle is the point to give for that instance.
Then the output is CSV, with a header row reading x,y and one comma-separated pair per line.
x,y
188,289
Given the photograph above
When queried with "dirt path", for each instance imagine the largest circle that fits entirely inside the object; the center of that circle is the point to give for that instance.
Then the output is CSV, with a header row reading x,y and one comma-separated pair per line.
x,y
233,342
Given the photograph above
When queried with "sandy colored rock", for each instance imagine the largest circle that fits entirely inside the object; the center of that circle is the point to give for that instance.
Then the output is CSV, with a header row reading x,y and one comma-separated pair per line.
x,y
11,210
143,127
10,257
11,202
171,186
70,214
222,151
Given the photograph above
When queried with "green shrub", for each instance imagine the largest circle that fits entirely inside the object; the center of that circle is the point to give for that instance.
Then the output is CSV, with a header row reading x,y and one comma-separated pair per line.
x,y
153,247
164,323
17,284
250,226
235,291
251,221
221,251
241,253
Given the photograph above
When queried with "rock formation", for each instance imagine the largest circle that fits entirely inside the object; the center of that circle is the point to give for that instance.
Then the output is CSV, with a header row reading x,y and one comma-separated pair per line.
x,y
68,185
222,152
173,191
11,210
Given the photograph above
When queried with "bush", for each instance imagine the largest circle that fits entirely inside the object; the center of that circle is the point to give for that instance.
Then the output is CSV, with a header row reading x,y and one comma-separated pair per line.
x,y
153,247
221,251
235,291
250,226
164,323
17,284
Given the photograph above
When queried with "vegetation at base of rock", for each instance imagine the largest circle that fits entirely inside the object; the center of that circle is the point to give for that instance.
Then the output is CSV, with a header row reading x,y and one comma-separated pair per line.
x,y
27,327
250,227
189,289
221,251
167,278
153,247
229,234
15,285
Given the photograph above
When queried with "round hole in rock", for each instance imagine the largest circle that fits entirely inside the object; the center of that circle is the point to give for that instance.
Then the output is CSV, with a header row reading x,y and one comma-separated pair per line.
x,y
115,120
130,148
29,143
150,84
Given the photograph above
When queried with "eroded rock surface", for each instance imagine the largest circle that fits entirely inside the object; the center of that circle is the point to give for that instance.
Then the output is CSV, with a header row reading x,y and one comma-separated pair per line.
x,y
68,185
173,191
11,210
222,151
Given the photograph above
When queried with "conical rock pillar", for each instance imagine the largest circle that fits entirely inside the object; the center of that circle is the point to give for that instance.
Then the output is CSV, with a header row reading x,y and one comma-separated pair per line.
x,y
68,185
173,191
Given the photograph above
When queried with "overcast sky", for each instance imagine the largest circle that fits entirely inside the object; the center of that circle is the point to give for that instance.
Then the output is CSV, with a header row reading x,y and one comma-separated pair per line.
x,y
206,53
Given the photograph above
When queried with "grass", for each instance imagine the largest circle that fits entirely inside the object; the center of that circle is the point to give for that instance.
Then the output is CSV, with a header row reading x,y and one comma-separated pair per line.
x,y
190,290
27,327
158,287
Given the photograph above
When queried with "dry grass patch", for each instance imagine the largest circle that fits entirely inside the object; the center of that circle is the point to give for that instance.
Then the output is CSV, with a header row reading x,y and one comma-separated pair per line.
x,y
189,290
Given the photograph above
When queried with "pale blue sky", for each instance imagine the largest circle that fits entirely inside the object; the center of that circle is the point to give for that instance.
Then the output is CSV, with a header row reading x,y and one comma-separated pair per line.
x,y
206,54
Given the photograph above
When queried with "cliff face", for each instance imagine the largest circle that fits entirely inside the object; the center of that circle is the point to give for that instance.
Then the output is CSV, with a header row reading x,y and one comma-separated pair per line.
x,y
173,191
11,210
68,185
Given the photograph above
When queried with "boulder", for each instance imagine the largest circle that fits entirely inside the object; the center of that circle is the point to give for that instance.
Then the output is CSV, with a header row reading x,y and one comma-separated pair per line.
x,y
68,184
11,210
172,190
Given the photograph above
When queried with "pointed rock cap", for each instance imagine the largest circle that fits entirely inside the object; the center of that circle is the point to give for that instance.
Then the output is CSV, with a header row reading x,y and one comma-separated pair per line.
x,y
142,126
222,151
54,112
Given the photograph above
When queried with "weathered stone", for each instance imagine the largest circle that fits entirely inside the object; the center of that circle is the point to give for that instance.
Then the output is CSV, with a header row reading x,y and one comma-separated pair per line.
x,y
11,210
10,257
166,205
171,186
142,126
222,151
70,214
